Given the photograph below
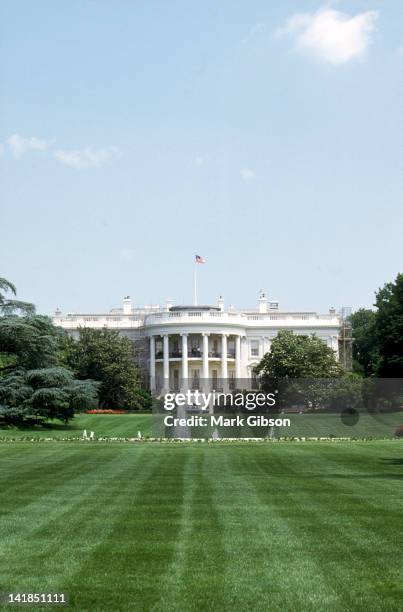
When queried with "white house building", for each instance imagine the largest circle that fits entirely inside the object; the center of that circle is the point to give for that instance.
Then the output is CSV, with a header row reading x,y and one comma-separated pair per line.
x,y
180,346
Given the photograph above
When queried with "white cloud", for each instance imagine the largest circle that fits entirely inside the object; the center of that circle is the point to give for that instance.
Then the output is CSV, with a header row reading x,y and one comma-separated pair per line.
x,y
256,30
76,158
127,254
329,35
86,158
20,145
247,174
198,161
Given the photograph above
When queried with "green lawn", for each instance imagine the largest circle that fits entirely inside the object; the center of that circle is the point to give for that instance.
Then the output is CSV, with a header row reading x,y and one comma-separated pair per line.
x,y
127,425
120,425
289,526
375,425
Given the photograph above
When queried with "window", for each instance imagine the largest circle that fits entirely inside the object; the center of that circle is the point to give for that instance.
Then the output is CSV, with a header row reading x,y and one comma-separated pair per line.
x,y
214,378
214,351
232,379
194,347
195,379
176,380
254,380
194,342
254,348
158,349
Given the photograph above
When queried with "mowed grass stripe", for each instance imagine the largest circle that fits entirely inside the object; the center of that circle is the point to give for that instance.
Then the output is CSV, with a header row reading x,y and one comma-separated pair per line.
x,y
371,505
341,528
195,579
140,546
64,525
45,471
265,568
202,526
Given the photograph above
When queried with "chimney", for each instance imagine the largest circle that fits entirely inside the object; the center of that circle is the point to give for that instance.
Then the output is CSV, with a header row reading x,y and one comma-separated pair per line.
x,y
332,311
262,302
127,305
168,305
221,303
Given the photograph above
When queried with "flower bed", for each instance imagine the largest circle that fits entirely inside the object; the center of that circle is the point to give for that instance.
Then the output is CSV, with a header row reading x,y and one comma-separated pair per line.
x,y
146,439
108,411
399,432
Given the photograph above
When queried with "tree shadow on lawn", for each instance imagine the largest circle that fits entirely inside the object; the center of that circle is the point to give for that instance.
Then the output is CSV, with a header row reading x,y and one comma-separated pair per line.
x,y
339,476
393,460
38,427
362,476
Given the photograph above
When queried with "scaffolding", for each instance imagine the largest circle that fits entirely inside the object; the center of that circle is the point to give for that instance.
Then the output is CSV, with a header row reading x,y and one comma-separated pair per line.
x,y
346,339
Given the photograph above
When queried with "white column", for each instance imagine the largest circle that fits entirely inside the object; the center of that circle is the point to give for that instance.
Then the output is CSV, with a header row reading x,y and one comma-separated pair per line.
x,y
237,357
224,355
205,357
166,362
244,357
335,345
152,363
185,369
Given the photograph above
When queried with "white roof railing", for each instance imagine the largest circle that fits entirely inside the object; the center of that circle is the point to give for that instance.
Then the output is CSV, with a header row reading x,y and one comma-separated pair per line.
x,y
249,319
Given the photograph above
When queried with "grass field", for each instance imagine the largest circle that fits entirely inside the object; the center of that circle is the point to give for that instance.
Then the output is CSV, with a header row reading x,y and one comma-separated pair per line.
x,y
127,425
295,527
120,425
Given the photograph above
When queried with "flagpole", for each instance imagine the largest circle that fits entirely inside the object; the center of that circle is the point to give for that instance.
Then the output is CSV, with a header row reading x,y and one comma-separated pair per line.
x,y
195,284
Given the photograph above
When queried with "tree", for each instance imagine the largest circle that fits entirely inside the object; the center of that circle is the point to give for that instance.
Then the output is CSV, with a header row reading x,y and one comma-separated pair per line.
x,y
296,356
32,383
365,342
49,393
29,341
106,356
301,368
389,329
8,306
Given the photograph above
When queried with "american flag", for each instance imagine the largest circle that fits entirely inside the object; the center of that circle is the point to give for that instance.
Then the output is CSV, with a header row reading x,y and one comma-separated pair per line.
x,y
199,259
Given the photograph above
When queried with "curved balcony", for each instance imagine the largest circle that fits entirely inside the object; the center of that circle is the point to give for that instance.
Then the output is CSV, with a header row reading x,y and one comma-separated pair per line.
x,y
245,319
194,354
196,316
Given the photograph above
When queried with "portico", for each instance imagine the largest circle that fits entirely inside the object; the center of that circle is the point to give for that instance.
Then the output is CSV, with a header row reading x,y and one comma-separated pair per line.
x,y
184,359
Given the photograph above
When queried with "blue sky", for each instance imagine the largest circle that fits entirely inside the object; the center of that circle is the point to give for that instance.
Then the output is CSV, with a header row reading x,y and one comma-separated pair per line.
x,y
264,136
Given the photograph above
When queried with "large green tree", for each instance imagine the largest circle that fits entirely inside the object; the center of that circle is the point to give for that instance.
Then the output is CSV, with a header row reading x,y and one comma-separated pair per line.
x,y
108,357
29,342
297,356
32,383
10,305
301,368
365,342
47,393
389,329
